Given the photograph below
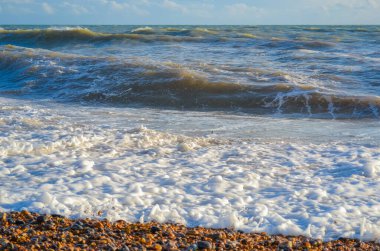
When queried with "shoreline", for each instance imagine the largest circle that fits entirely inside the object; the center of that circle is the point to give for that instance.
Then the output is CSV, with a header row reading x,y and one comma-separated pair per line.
x,y
31,231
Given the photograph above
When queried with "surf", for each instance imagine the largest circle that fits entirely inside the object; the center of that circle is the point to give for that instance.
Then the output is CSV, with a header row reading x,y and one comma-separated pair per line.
x,y
107,80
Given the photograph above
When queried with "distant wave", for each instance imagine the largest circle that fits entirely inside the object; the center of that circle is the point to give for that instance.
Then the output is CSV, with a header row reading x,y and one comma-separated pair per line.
x,y
57,36
143,30
68,77
71,35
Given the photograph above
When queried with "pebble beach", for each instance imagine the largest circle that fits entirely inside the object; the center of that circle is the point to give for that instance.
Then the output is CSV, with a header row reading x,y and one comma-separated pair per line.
x,y
31,231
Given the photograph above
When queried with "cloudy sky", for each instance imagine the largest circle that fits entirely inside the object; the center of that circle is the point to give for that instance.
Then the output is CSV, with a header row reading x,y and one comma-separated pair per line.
x,y
190,12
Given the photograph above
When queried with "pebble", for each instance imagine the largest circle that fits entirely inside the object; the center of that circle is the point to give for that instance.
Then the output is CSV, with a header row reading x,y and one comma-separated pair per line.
x,y
216,236
124,248
286,246
76,226
157,247
26,214
41,219
170,245
231,244
155,229
4,217
19,222
204,245
193,247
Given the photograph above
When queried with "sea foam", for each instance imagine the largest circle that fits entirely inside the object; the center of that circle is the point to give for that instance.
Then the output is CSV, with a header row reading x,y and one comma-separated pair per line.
x,y
64,164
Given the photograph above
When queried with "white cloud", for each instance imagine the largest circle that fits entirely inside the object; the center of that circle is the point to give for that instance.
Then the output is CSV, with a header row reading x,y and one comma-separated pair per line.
x,y
47,8
242,9
118,5
171,5
139,11
346,4
75,8
134,7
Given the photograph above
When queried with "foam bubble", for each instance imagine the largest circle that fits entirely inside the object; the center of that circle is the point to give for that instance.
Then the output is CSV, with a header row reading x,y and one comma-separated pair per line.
x,y
371,169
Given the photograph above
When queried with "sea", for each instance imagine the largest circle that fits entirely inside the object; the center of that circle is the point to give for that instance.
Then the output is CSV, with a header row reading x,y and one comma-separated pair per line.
x,y
257,128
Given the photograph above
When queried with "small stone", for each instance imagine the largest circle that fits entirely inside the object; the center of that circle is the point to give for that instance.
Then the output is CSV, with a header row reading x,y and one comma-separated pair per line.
x,y
141,248
193,247
50,226
244,241
76,226
170,245
155,229
171,235
231,244
307,245
19,222
3,242
286,246
11,246
216,236
57,216
4,217
316,242
150,236
26,214
157,247
124,248
204,245
111,247
192,232
181,235
98,224
41,219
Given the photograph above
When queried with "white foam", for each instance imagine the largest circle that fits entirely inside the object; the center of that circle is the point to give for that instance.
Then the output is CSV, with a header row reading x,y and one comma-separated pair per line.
x,y
372,168
145,29
78,163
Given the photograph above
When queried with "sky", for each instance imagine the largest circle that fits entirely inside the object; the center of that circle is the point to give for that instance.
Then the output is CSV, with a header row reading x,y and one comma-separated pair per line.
x,y
197,12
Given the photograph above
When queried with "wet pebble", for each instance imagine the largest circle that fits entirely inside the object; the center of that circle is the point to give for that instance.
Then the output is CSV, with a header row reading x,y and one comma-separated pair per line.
x,y
204,245
155,229
41,219
19,222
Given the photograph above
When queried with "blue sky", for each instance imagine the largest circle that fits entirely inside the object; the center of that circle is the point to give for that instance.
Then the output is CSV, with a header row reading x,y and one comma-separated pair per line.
x,y
190,12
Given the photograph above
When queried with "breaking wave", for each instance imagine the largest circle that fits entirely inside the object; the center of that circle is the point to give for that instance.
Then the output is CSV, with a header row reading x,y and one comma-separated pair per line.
x,y
51,37
74,78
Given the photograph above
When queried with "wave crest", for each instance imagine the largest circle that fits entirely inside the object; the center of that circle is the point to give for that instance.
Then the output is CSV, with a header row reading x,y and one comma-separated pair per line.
x,y
67,77
51,37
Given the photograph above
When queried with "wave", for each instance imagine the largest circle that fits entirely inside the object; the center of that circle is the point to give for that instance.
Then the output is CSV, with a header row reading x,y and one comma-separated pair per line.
x,y
248,35
143,30
60,36
54,36
297,44
68,77
173,29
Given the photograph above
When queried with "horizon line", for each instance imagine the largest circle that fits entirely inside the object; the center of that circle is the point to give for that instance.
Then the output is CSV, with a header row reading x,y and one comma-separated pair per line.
x,y
201,24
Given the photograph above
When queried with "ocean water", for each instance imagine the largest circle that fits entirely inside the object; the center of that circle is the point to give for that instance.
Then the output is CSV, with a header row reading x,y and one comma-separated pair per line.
x,y
259,128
